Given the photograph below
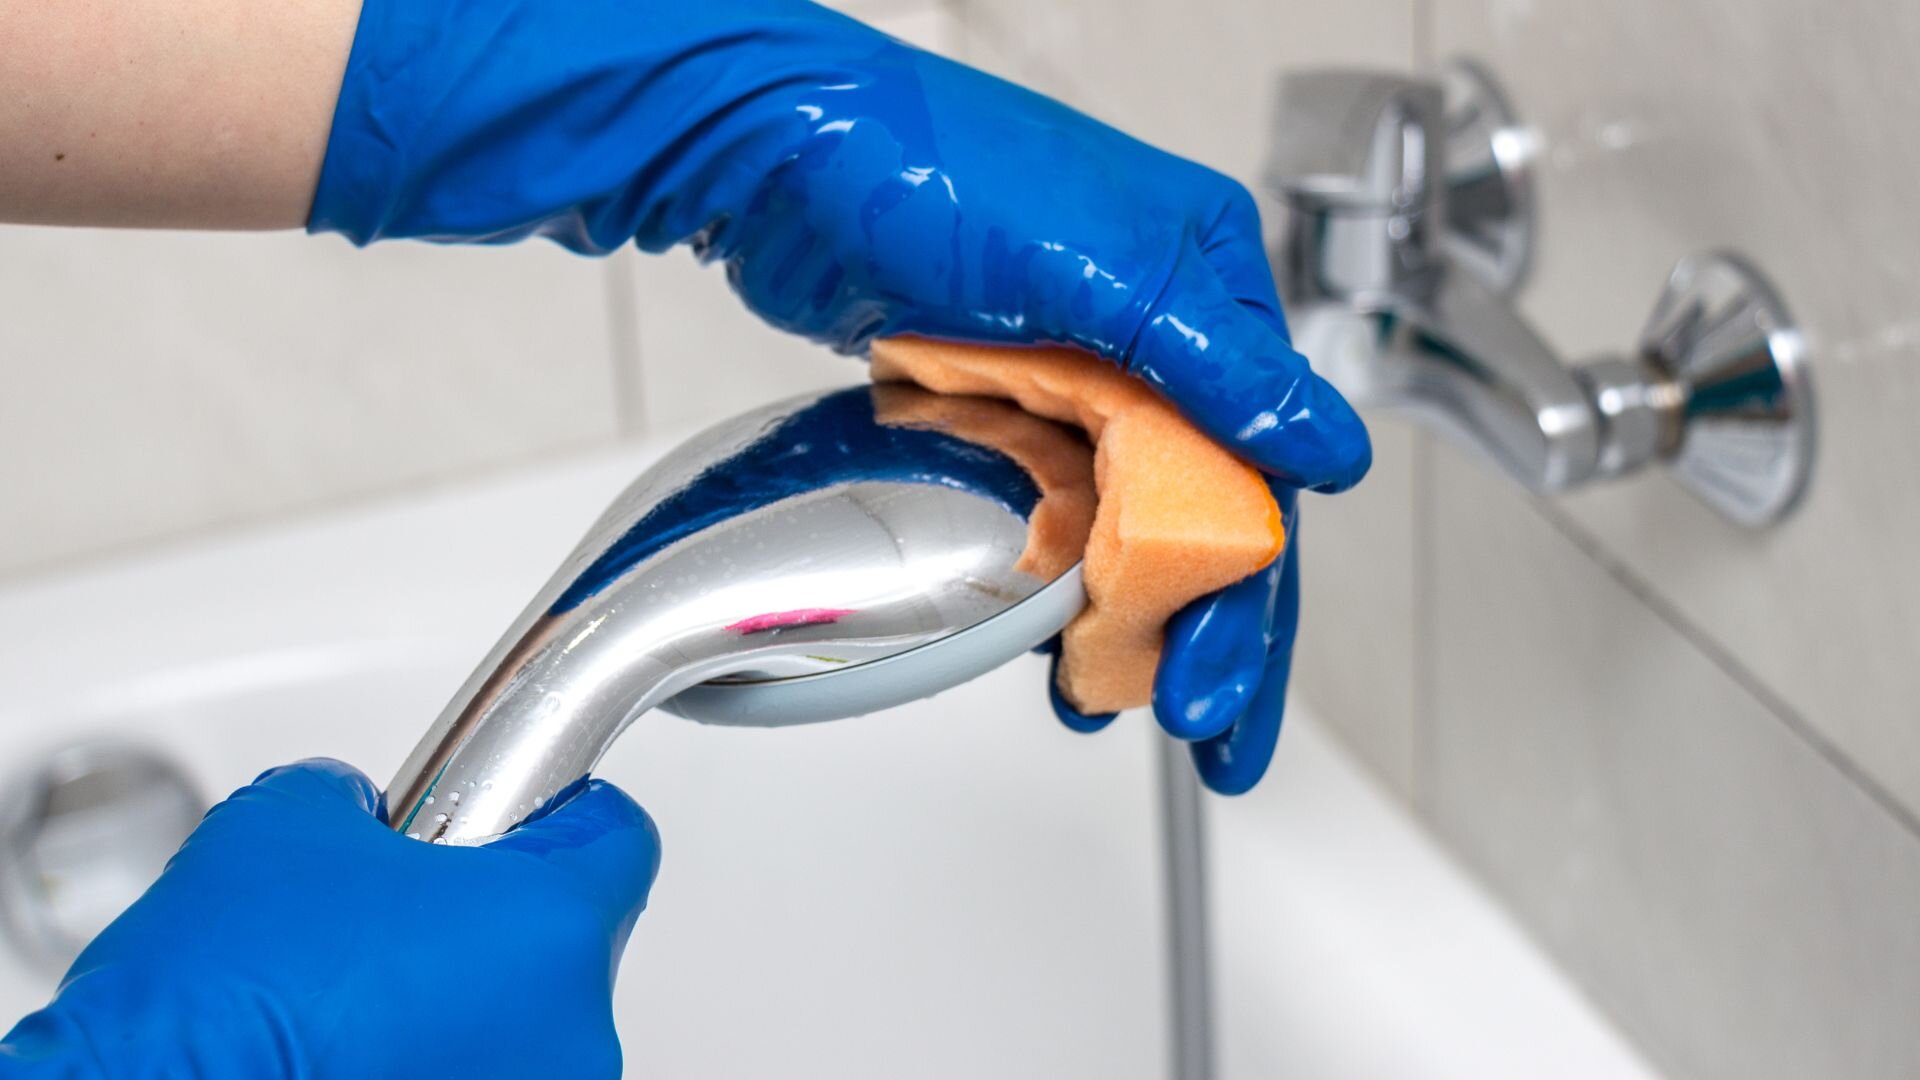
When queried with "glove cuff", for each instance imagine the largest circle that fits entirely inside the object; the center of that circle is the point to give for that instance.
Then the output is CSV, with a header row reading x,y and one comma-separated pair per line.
x,y
593,123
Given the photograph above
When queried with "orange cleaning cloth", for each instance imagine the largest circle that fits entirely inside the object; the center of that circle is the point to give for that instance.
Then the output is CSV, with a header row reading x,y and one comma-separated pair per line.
x,y
1177,515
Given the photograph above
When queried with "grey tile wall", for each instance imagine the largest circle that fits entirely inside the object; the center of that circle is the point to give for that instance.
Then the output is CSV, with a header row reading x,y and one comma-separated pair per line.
x,y
163,383
1785,130
1687,754
1737,903
1355,660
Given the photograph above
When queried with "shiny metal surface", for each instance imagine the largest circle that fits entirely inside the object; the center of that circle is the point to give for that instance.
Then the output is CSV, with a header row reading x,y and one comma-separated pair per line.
x,y
83,832
798,543
889,680
1424,330
1183,842
1404,313
1358,159
1741,395
1458,359
1488,165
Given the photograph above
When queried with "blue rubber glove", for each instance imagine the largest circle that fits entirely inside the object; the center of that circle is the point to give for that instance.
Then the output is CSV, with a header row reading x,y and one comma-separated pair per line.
x,y
296,935
1222,680
852,186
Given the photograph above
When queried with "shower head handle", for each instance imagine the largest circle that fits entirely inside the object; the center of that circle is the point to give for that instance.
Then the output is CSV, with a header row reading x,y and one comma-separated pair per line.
x,y
805,561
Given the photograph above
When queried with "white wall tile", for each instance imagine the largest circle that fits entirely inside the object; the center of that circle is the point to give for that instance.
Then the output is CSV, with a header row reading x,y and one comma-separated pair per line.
x,y
704,357
1740,906
931,26
161,383
164,383
1780,129
1196,77
988,41
877,10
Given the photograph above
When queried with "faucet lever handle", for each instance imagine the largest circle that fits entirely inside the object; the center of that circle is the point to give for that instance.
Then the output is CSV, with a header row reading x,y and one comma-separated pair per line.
x,y
1360,140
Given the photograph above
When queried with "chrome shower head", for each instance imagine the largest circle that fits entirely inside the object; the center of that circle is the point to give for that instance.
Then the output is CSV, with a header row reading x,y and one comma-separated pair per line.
x,y
823,557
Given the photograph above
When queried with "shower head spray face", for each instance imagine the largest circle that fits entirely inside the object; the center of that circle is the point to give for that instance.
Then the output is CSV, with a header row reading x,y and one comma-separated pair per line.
x,y
823,557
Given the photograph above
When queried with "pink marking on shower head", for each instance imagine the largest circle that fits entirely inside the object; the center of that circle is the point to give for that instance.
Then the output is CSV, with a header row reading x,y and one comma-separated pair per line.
x,y
784,620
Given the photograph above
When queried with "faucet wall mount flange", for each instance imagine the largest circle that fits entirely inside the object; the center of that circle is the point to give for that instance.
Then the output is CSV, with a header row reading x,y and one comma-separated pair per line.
x,y
1409,210
1489,179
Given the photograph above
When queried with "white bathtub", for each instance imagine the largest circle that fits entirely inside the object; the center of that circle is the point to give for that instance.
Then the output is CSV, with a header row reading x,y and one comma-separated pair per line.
x,y
960,888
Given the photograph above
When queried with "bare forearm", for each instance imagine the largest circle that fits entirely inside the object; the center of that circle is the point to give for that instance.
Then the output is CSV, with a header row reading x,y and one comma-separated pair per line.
x,y
167,113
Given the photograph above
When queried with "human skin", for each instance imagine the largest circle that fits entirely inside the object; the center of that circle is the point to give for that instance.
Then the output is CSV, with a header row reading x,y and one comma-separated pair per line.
x,y
208,114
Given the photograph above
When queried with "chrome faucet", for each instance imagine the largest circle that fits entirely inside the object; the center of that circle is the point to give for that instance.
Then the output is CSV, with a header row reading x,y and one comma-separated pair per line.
x,y
1408,223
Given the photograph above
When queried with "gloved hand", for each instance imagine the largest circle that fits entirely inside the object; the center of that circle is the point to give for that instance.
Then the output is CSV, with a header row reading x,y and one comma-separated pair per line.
x,y
853,186
1222,680
296,935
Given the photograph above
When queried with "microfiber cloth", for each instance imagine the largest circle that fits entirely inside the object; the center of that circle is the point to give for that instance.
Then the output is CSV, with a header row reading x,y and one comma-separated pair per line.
x,y
1176,517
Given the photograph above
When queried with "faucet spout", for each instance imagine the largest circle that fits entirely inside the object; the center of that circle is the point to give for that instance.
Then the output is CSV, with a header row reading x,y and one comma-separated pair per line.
x,y
1461,360
1362,168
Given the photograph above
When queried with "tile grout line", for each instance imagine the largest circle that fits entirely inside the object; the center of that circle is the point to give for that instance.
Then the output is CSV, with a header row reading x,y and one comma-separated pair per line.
x,y
134,549
1423,35
1424,747
1729,665
1036,67
623,339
